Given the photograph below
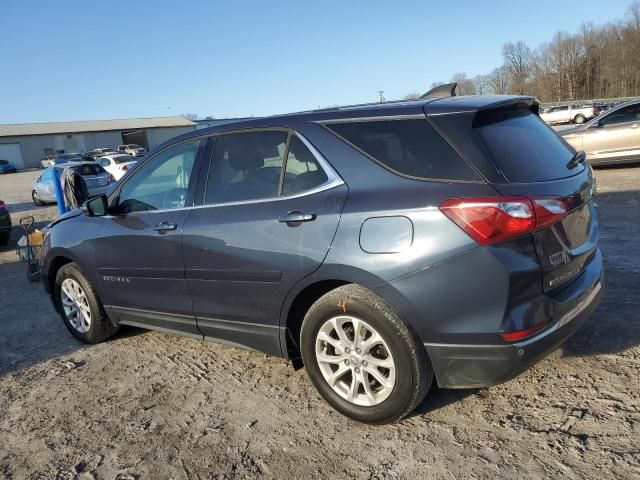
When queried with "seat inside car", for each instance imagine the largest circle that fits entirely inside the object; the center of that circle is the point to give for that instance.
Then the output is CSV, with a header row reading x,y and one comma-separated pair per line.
x,y
243,175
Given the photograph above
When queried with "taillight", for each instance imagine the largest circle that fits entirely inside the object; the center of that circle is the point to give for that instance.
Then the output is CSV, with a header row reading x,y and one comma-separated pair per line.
x,y
490,220
111,179
2,204
522,334
124,167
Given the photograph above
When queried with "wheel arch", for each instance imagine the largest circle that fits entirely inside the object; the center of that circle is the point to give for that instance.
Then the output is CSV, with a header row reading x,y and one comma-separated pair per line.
x,y
305,293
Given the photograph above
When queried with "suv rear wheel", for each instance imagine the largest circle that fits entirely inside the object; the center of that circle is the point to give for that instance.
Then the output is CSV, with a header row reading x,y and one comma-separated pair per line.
x,y
79,306
362,358
580,119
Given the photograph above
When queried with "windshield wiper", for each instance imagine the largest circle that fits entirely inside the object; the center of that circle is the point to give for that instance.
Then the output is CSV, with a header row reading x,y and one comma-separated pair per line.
x,y
578,158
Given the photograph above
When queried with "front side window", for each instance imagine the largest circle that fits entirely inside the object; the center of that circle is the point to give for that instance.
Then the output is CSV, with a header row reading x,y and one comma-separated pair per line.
x,y
246,166
302,171
161,183
624,115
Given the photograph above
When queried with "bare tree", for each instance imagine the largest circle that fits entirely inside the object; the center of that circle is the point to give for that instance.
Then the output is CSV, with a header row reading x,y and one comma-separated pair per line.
x,y
499,81
189,116
517,60
481,84
465,84
597,61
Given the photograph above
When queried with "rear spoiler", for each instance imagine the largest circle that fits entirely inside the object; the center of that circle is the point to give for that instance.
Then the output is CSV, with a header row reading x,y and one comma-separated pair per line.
x,y
478,103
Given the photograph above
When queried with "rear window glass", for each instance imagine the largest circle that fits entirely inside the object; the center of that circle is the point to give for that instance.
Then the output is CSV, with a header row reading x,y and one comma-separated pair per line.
x,y
89,169
523,147
408,147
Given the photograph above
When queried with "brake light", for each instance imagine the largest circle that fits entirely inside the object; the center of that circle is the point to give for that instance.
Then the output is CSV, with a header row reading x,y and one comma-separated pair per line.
x,y
490,220
111,179
124,167
2,204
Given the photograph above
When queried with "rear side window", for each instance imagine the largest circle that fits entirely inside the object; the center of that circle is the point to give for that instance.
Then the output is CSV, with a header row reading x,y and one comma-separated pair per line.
x,y
408,147
246,166
523,147
302,172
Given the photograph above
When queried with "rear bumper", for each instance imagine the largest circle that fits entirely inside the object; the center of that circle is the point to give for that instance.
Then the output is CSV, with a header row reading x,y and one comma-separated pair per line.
x,y
476,366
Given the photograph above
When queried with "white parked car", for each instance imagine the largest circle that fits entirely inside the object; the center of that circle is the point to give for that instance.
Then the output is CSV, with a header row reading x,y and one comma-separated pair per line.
x,y
116,164
568,114
132,149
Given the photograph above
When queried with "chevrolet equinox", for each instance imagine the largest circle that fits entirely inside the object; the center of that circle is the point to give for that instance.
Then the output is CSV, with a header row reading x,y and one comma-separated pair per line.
x,y
379,246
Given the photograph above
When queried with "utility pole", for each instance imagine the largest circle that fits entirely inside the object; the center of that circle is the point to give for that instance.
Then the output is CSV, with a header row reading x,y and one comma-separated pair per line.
x,y
381,95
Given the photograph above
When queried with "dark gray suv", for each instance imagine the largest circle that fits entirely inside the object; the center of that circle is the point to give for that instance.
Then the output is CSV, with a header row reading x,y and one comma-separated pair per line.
x,y
381,246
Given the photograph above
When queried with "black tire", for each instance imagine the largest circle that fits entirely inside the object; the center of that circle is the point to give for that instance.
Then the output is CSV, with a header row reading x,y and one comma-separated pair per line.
x,y
580,119
100,328
36,198
414,373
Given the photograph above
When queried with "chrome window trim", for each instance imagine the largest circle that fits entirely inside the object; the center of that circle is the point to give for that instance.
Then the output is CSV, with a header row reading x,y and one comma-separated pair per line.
x,y
333,179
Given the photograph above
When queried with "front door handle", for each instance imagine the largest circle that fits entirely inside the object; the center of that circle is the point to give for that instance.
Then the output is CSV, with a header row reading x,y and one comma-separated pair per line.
x,y
295,218
165,227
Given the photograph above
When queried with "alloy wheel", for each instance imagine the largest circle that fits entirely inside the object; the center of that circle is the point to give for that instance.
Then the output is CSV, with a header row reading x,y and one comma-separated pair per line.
x,y
355,361
75,305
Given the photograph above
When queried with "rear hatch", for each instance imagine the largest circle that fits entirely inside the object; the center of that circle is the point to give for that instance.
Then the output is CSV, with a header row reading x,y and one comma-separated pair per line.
x,y
527,158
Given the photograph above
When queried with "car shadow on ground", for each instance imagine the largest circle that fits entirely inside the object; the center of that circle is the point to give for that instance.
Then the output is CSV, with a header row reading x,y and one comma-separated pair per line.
x,y
438,398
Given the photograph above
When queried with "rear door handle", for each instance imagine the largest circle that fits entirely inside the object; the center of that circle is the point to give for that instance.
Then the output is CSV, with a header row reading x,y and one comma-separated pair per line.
x,y
165,227
295,218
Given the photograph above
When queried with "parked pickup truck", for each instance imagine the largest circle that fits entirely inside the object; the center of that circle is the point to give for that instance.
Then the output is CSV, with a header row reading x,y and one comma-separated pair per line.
x,y
568,114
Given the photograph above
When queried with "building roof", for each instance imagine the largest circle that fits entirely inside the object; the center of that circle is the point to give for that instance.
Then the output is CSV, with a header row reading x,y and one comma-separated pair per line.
x,y
20,129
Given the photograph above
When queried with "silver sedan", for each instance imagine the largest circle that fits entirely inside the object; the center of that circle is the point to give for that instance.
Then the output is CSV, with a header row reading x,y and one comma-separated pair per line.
x,y
98,181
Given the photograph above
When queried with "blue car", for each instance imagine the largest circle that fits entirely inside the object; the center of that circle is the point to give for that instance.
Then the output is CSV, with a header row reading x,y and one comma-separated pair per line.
x,y
7,167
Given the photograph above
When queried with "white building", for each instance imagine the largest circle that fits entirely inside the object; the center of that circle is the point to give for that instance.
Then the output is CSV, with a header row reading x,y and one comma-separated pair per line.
x,y
26,143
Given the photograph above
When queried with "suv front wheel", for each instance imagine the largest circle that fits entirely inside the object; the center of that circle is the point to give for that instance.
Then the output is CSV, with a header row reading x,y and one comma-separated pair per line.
x,y
79,306
362,358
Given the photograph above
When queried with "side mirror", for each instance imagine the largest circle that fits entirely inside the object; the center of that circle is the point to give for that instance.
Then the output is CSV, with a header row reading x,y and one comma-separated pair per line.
x,y
96,206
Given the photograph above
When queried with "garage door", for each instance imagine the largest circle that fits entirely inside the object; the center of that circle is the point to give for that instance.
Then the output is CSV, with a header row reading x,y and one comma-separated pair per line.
x,y
12,152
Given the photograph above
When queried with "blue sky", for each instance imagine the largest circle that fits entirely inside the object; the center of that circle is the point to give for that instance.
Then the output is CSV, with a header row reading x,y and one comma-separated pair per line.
x,y
89,59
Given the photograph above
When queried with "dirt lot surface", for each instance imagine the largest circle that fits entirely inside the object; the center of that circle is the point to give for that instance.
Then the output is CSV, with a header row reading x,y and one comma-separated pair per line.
x,y
152,405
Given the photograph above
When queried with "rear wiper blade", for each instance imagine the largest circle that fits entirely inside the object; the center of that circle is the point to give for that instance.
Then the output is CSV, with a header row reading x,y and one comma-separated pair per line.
x,y
578,158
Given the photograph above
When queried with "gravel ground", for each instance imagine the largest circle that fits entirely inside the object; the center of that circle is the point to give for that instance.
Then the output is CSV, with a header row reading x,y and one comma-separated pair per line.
x,y
152,405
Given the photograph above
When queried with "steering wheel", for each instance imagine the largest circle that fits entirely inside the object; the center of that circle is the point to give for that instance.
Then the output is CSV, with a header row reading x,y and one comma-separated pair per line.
x,y
174,198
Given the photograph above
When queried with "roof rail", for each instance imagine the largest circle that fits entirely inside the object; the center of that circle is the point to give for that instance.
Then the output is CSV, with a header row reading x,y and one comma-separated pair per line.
x,y
441,91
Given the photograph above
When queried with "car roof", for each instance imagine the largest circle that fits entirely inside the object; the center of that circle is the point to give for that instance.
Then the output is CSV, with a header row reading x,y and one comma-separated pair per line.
x,y
380,109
